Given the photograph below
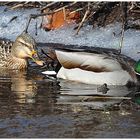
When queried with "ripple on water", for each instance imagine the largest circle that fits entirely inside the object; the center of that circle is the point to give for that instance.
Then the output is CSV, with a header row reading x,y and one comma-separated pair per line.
x,y
33,106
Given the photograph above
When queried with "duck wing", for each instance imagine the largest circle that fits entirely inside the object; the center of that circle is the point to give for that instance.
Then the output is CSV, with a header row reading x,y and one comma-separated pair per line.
x,y
5,50
87,60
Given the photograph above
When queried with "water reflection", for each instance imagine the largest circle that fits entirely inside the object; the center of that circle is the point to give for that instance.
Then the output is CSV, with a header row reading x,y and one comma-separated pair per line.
x,y
74,88
84,94
27,87
15,85
26,90
32,105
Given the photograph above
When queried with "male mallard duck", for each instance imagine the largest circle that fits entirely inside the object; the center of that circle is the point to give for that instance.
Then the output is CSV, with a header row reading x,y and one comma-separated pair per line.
x,y
14,56
96,66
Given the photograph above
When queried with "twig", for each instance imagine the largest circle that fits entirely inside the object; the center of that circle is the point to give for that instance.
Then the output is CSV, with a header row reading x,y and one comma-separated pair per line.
x,y
81,23
44,14
18,5
135,11
66,6
26,29
124,24
46,54
90,15
64,13
13,18
84,18
122,38
77,10
33,16
51,12
48,5
6,3
36,28
132,6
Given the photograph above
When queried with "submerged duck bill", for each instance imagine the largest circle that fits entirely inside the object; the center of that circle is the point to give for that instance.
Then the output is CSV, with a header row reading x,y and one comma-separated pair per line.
x,y
39,62
36,59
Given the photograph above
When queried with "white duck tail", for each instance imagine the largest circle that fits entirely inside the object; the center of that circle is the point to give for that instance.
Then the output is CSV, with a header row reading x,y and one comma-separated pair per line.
x,y
92,68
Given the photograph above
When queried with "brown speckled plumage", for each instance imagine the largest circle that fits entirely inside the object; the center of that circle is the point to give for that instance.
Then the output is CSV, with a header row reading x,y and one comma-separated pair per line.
x,y
14,55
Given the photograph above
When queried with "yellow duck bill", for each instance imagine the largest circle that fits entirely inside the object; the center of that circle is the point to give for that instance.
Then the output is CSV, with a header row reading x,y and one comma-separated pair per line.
x,y
36,58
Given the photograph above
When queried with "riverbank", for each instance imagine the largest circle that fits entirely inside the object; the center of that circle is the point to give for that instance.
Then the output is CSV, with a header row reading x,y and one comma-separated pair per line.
x,y
108,36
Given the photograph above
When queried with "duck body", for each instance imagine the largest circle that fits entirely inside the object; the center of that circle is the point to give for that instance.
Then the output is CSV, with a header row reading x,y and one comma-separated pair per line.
x,y
9,61
14,55
95,67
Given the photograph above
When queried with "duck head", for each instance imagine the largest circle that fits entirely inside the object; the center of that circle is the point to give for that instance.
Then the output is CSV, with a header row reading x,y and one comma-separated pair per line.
x,y
137,67
24,47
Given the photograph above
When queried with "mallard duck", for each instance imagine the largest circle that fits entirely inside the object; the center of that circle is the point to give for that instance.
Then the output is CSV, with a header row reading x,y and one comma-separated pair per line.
x,y
15,55
96,66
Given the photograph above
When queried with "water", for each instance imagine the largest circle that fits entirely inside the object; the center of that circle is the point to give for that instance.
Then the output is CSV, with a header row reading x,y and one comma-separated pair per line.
x,y
33,106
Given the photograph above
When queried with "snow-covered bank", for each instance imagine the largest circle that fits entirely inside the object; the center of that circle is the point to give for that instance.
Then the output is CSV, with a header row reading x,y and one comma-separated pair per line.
x,y
100,37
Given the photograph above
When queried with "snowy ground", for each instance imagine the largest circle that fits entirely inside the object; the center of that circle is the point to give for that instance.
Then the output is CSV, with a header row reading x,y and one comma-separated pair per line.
x,y
100,37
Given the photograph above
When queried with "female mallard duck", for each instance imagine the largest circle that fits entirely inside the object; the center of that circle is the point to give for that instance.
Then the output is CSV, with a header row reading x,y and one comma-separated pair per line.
x,y
96,66
14,56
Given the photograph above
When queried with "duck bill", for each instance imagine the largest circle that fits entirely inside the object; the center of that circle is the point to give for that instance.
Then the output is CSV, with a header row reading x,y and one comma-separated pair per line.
x,y
36,59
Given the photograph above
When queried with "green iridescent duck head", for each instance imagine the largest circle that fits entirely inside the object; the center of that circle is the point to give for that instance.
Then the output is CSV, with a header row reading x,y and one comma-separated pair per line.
x,y
137,67
24,47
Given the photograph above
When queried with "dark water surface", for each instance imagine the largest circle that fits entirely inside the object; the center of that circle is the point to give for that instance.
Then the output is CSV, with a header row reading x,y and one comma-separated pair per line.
x,y
33,106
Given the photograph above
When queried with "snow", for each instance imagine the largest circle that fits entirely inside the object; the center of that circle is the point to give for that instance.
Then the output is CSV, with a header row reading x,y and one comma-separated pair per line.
x,y
99,37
